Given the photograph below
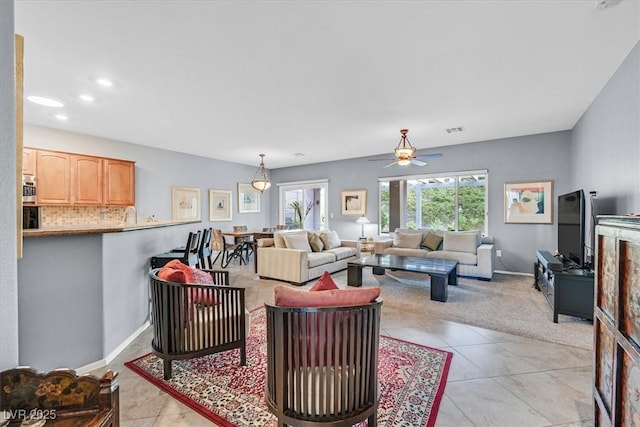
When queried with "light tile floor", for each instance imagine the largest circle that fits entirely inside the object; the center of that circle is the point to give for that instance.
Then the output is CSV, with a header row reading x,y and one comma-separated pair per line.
x,y
496,379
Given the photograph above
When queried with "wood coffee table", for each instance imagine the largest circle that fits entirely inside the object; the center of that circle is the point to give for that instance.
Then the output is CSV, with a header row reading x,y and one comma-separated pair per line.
x,y
442,272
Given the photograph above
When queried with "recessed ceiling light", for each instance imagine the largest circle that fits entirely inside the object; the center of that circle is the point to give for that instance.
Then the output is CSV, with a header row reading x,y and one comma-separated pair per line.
x,y
298,154
86,97
104,82
61,117
47,102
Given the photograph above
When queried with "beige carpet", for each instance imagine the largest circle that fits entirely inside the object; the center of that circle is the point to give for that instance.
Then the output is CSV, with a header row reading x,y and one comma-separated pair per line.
x,y
507,303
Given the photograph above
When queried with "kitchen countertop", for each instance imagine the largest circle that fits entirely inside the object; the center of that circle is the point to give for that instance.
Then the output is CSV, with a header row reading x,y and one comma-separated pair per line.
x,y
108,227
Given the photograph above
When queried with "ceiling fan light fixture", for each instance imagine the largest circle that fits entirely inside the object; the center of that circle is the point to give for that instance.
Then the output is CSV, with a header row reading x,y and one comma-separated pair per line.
x,y
261,180
405,152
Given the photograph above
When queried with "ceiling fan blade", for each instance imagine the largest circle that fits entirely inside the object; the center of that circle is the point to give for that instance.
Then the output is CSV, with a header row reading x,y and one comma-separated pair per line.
x,y
378,160
390,164
430,156
418,162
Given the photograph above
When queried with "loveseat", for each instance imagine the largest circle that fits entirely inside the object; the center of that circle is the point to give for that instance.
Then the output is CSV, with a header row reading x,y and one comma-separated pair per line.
x,y
298,256
474,253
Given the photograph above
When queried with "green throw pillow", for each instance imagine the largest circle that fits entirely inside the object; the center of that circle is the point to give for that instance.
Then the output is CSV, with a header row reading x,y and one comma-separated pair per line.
x,y
432,241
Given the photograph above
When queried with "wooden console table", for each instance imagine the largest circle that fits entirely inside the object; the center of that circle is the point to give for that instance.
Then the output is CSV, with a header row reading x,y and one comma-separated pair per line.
x,y
567,290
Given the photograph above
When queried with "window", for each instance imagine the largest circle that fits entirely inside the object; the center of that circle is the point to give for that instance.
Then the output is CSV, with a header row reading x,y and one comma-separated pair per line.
x,y
453,201
304,204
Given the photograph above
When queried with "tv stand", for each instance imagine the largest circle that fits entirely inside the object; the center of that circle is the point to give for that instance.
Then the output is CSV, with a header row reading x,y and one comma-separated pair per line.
x,y
568,289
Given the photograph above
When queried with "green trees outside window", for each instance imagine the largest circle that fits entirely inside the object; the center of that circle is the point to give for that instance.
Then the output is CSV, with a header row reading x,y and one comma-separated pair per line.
x,y
453,202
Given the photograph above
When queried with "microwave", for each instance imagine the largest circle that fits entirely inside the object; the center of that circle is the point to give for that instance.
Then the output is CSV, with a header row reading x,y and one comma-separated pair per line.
x,y
28,189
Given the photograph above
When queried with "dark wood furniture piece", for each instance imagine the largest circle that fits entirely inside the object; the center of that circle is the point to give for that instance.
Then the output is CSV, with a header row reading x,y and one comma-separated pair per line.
x,y
192,320
204,249
322,364
568,289
616,387
442,272
187,254
60,397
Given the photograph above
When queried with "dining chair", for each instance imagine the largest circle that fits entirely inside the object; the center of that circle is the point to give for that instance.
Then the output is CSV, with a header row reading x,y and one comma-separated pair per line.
x,y
226,251
204,251
187,254
246,241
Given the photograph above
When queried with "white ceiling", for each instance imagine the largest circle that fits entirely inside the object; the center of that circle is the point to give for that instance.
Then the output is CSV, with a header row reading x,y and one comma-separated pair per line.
x,y
329,79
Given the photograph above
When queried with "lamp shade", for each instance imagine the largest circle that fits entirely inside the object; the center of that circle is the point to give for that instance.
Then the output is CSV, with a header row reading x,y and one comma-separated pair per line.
x,y
363,220
260,180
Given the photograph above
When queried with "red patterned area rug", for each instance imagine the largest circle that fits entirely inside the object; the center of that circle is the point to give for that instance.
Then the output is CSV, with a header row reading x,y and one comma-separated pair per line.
x,y
412,378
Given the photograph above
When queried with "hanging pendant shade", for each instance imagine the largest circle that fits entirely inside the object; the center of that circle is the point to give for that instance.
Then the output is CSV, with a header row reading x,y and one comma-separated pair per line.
x,y
261,180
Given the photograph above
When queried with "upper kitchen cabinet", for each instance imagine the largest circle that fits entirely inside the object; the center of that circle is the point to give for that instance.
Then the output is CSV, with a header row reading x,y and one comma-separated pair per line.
x,y
28,161
119,182
53,172
77,179
86,180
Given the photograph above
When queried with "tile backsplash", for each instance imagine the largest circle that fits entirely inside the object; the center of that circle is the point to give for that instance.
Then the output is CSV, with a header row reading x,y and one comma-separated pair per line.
x,y
68,215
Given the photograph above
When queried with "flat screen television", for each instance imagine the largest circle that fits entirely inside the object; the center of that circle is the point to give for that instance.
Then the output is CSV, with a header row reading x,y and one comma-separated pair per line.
x,y
571,226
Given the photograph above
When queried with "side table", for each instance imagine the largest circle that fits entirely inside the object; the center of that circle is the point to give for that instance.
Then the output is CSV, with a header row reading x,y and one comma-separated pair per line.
x,y
367,247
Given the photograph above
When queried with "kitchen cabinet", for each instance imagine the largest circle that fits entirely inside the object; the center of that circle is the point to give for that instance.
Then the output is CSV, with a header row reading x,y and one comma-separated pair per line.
x,y
86,180
119,182
28,161
53,174
77,179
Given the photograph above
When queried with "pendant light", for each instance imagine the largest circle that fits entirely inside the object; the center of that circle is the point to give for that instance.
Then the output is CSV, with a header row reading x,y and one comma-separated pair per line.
x,y
260,179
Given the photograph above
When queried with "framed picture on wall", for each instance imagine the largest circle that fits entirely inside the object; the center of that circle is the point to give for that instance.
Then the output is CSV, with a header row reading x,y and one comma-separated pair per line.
x,y
528,202
353,202
248,198
219,205
185,203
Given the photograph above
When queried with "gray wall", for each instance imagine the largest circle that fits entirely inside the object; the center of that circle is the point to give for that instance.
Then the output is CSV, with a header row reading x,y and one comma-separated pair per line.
x,y
606,142
526,158
8,269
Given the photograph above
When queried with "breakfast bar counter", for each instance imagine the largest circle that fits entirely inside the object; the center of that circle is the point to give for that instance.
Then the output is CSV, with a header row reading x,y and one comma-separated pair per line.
x,y
83,290
107,227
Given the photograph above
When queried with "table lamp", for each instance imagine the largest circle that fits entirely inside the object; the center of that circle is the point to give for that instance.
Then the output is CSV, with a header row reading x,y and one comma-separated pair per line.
x,y
362,221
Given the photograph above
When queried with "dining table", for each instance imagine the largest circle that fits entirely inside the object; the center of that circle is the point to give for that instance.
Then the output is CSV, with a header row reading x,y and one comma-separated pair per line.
x,y
249,244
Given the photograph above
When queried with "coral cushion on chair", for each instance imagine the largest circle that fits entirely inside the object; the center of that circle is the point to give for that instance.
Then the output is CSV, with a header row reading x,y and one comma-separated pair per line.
x,y
324,283
286,296
176,271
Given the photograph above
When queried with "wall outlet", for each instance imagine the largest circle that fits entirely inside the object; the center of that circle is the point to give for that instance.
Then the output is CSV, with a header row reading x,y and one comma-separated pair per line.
x,y
498,253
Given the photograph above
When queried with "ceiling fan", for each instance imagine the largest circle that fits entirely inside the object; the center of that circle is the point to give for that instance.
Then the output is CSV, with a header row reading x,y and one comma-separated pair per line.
x,y
406,153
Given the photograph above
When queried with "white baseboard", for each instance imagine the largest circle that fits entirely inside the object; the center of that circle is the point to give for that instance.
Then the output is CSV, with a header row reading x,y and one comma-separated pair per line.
x,y
104,362
513,273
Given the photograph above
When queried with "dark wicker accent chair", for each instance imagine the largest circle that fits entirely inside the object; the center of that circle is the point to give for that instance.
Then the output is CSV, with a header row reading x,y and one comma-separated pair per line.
x,y
60,397
322,364
192,320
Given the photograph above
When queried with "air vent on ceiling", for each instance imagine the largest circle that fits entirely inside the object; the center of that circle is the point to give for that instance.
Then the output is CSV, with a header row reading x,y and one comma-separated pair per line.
x,y
606,4
455,129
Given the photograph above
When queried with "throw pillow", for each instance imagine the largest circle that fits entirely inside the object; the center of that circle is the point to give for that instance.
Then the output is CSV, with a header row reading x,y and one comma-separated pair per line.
x,y
171,275
324,283
407,240
315,242
177,265
199,296
330,240
461,241
297,241
286,296
431,241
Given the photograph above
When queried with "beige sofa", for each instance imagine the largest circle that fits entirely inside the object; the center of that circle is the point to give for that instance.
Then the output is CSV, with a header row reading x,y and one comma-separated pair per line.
x,y
474,253
297,257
